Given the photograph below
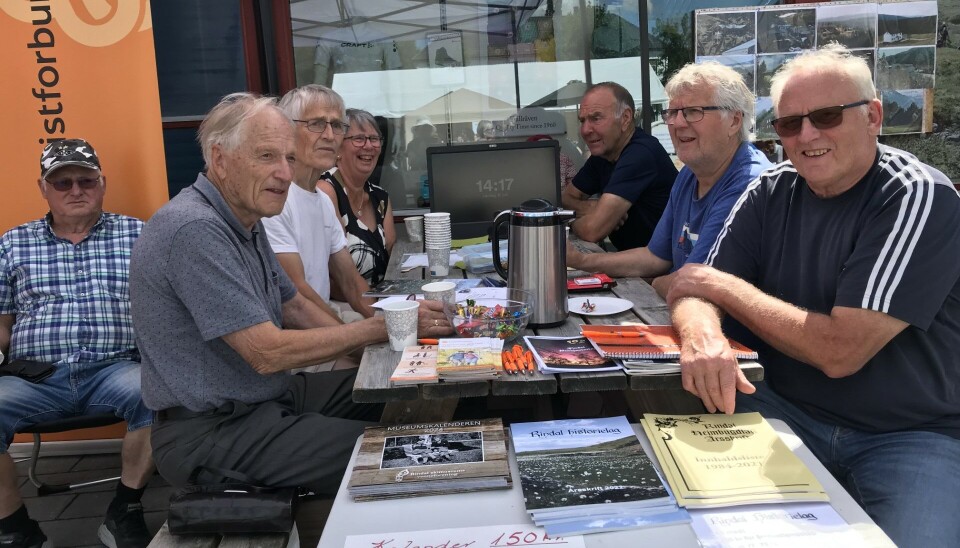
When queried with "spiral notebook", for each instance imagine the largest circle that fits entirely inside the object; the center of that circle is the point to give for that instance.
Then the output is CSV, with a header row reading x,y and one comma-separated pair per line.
x,y
649,342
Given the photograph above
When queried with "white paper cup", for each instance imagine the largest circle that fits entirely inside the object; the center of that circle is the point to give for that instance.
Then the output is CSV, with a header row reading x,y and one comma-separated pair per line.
x,y
414,228
401,318
439,261
445,292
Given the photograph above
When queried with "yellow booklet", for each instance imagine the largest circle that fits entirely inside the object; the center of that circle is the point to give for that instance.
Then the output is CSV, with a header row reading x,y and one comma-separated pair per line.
x,y
715,460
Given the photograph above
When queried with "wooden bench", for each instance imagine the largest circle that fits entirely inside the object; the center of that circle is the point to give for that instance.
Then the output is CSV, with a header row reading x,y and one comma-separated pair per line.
x,y
165,539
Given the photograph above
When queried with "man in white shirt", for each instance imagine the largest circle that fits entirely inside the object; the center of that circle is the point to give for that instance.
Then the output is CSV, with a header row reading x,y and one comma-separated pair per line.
x,y
306,236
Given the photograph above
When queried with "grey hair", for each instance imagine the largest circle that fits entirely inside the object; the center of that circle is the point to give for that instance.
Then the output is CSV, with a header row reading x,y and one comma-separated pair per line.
x,y
622,96
225,122
832,59
298,100
729,90
357,118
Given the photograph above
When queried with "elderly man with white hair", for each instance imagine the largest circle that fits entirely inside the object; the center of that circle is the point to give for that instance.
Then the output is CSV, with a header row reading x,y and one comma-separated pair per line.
x,y
842,263
220,325
709,119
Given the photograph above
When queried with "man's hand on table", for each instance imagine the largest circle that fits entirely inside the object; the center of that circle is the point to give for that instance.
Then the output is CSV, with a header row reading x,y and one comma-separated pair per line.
x,y
708,366
432,322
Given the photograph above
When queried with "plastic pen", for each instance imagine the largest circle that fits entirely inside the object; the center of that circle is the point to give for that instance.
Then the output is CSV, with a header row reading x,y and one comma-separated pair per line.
x,y
428,341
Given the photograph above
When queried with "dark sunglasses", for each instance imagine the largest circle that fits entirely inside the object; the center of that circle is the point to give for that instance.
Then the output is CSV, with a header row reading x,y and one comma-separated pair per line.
x,y
64,185
822,118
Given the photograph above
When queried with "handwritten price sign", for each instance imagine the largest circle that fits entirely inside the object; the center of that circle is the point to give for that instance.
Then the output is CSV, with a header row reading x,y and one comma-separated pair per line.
x,y
494,536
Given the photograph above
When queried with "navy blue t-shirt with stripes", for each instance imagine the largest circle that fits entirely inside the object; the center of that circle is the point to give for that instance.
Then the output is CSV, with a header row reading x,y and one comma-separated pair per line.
x,y
891,243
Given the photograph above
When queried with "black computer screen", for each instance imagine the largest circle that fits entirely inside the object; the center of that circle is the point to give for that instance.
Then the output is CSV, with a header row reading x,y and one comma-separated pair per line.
x,y
475,182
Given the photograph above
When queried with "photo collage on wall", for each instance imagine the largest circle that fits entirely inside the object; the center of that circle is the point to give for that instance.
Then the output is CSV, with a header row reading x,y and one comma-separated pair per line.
x,y
897,40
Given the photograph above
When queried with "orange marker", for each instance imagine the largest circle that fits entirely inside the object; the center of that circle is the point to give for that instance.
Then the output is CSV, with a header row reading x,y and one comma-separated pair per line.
x,y
528,356
428,341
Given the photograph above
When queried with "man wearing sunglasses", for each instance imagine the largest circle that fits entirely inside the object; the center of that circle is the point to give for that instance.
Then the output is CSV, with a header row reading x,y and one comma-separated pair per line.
x,y
709,122
64,301
629,169
842,263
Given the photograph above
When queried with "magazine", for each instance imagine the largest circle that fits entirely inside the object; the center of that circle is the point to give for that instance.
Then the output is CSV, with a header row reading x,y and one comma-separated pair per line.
x,y
418,364
639,342
428,459
578,474
568,355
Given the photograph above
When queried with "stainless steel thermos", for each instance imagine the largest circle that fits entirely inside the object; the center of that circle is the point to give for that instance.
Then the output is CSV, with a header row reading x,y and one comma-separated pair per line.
x,y
536,250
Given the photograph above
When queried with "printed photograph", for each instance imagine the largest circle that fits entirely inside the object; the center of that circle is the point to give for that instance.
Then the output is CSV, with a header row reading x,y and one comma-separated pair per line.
x,y
905,68
764,115
907,24
782,31
726,33
767,65
902,111
851,25
743,64
432,449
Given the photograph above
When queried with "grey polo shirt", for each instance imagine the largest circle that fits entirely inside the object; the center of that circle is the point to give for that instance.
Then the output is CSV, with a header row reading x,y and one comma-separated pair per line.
x,y
197,274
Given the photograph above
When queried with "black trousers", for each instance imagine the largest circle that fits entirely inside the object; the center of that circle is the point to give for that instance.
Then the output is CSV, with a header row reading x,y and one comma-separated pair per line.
x,y
303,439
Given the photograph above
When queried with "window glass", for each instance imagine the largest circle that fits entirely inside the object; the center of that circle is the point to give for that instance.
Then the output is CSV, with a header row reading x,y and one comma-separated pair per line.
x,y
466,72
199,53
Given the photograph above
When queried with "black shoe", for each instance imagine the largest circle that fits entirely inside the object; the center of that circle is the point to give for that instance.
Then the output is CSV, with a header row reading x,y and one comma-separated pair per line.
x,y
124,527
31,537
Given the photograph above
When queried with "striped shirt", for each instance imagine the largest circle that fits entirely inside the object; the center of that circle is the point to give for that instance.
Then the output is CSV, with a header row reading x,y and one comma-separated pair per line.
x,y
71,302
887,244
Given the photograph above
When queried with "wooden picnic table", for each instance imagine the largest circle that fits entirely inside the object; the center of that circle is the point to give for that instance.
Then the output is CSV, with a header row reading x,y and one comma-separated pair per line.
x,y
430,402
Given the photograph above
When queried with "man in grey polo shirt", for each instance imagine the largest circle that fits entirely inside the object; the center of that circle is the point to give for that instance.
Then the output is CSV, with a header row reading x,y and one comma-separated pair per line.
x,y
219,324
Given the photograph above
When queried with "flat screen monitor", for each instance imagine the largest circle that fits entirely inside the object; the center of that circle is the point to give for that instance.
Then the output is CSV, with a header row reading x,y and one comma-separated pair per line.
x,y
475,182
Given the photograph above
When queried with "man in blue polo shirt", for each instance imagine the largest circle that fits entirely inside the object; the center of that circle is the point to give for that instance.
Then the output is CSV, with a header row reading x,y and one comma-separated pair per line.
x,y
709,119
65,301
629,169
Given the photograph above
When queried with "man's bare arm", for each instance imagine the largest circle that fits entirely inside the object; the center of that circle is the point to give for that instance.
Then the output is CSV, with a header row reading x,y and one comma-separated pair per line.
x,y
839,343
293,266
270,349
351,283
637,262
607,215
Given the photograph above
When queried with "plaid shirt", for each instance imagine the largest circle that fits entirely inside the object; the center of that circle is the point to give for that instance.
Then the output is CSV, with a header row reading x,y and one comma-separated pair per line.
x,y
71,302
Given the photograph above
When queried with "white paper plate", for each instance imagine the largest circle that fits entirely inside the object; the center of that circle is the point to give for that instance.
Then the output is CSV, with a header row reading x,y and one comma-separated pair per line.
x,y
604,305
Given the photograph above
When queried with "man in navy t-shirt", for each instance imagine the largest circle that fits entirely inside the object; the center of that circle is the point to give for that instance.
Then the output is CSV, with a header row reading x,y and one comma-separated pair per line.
x,y
842,262
628,168
709,119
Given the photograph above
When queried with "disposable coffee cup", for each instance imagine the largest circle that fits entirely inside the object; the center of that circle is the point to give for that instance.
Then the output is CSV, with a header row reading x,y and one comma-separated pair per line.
x,y
414,228
445,292
438,261
401,318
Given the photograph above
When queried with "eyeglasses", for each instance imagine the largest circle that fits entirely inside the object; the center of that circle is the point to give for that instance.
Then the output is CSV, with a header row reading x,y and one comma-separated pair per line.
x,y
822,118
690,114
319,125
65,185
360,140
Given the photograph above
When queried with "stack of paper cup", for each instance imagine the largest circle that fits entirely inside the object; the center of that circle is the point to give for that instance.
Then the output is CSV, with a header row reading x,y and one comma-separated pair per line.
x,y
436,240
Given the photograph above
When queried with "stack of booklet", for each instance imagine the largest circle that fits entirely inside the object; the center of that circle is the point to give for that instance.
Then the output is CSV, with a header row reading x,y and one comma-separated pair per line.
x,y
568,355
418,365
589,476
726,460
466,359
646,349
430,459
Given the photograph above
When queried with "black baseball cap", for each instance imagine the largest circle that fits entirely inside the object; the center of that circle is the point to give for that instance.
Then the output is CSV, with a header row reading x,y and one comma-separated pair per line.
x,y
68,152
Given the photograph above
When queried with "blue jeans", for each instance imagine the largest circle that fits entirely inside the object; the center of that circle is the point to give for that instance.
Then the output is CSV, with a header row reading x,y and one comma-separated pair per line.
x,y
908,482
73,389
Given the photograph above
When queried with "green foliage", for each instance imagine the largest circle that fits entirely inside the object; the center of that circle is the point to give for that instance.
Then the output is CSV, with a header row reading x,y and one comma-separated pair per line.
x,y
677,42
930,149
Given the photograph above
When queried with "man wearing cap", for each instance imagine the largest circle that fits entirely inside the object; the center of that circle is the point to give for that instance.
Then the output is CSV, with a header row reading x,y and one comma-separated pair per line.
x,y
628,168
64,301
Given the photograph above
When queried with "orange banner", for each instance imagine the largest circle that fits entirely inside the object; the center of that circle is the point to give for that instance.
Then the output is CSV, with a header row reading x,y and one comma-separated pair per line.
x,y
80,69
